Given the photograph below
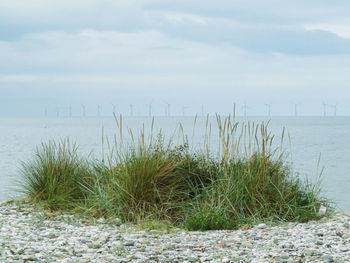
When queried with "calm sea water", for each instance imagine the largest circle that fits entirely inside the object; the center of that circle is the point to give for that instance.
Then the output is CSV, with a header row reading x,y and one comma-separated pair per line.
x,y
310,136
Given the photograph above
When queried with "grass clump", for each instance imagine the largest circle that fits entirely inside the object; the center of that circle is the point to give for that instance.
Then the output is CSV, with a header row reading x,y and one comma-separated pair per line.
x,y
210,218
55,176
154,180
148,184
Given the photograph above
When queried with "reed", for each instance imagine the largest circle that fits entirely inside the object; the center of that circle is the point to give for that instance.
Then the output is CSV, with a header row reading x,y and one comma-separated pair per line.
x,y
147,178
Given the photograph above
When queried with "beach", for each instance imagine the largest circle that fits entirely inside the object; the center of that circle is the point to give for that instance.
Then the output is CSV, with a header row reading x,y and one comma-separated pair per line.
x,y
32,235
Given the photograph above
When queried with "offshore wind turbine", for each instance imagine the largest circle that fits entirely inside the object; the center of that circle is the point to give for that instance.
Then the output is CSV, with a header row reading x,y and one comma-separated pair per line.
x,y
295,108
167,109
131,110
149,109
98,110
84,110
324,109
57,111
234,110
245,109
70,111
114,108
335,107
184,109
268,109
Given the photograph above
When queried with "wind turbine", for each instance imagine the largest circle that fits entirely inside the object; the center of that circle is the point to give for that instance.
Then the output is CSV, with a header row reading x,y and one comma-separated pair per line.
x,y
131,110
84,110
324,109
114,108
245,109
268,109
167,109
335,107
149,109
57,111
295,108
184,109
70,111
98,110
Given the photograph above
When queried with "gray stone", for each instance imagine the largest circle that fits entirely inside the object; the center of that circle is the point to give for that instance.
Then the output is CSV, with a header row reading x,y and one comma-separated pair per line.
x,y
345,248
261,226
129,243
116,222
327,259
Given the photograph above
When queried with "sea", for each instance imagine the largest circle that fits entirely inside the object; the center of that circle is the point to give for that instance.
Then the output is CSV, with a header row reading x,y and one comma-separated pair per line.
x,y
316,145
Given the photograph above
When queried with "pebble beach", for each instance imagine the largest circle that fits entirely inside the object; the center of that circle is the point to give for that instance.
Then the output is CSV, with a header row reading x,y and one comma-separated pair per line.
x,y
31,235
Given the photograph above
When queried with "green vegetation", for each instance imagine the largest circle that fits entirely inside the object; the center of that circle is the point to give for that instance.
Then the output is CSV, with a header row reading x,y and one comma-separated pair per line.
x,y
155,180
55,175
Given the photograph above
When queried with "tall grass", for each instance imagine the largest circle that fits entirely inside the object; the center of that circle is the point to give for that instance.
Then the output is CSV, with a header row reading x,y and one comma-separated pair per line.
x,y
246,180
55,175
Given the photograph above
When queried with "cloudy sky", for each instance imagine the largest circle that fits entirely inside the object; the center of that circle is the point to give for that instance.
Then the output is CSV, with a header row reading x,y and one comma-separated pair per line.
x,y
56,53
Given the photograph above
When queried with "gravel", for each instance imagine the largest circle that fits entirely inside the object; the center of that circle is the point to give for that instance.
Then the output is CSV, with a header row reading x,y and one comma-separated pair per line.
x,y
30,235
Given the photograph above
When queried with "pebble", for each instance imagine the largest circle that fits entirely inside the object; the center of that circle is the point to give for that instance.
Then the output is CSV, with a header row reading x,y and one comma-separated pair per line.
x,y
261,226
129,243
28,235
116,222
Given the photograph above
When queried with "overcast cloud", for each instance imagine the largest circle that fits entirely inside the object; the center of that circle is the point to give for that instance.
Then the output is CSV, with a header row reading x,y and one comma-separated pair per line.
x,y
184,52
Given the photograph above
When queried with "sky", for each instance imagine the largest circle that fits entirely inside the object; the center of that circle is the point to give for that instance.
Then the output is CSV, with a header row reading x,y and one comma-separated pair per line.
x,y
194,55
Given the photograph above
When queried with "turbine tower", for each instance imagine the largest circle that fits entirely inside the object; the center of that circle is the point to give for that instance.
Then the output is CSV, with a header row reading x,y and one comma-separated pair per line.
x,y
335,107
114,108
149,109
245,109
268,109
70,111
84,110
167,109
57,111
98,110
184,109
324,109
131,110
295,108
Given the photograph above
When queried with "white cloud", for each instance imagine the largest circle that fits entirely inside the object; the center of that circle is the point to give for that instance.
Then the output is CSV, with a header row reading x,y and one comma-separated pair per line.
x,y
180,18
340,29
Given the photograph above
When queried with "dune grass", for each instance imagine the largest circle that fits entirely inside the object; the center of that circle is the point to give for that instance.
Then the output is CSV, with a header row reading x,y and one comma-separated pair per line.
x,y
55,175
247,180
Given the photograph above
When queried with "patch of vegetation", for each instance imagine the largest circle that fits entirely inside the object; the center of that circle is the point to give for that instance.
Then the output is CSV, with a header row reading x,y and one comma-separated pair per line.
x,y
154,180
56,175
